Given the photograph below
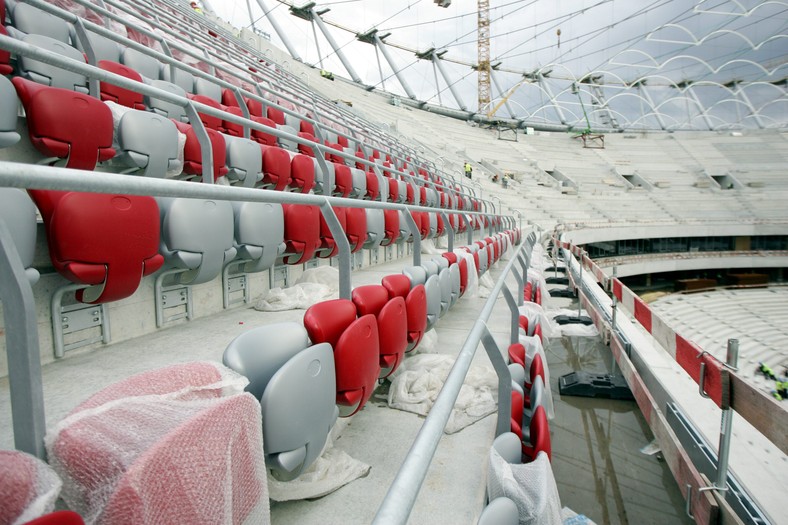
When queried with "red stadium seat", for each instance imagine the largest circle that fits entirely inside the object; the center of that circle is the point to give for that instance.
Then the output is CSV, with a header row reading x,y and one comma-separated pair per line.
x,y
373,186
539,437
397,285
119,95
260,136
302,232
356,229
192,153
328,245
416,306
66,124
392,323
302,174
276,168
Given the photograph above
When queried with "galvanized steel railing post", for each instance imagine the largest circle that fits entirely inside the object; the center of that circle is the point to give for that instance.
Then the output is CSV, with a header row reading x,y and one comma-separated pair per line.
x,y
726,426
22,350
343,245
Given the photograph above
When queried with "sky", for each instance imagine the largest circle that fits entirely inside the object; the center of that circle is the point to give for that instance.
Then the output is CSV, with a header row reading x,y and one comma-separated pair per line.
x,y
664,41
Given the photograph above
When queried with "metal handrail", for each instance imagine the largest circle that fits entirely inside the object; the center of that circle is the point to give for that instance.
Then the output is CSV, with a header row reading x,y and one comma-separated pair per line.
x,y
401,496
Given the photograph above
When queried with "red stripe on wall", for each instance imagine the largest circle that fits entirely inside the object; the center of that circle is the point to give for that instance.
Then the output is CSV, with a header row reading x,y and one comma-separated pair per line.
x,y
717,380
643,313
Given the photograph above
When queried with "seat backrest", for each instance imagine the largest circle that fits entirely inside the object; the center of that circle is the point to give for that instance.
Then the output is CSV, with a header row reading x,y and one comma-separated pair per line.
x,y
328,245
322,186
343,180
197,236
416,306
536,397
149,142
369,299
259,246
433,289
500,511
373,186
9,106
5,56
359,183
263,137
376,228
207,88
393,332
164,108
163,479
19,215
192,151
397,285
108,242
103,47
516,414
302,232
65,124
454,278
540,435
416,274
431,267
32,20
517,372
145,65
404,230
390,226
509,447
285,142
29,487
47,74
181,78
244,161
276,168
444,278
302,173
327,320
356,228
357,361
112,93
209,121
517,354
482,261
536,369
277,115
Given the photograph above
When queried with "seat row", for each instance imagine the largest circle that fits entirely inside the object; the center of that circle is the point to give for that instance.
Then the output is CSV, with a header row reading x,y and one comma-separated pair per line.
x,y
304,376
46,31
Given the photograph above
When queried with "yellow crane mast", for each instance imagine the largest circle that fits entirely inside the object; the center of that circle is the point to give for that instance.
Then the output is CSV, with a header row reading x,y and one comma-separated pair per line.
x,y
483,66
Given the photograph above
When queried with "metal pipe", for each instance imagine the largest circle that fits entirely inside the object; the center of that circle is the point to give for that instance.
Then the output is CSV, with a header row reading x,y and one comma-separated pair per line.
x,y
437,61
22,350
726,426
278,29
382,46
333,43
402,493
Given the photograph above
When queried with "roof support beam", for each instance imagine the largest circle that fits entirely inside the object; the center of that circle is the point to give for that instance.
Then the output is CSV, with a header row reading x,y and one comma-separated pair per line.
x,y
282,35
333,43
436,59
501,93
376,40
704,112
641,86
549,92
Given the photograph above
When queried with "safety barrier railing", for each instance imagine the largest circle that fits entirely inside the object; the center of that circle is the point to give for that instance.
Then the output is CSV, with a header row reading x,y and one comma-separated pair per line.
x,y
166,58
716,380
21,333
401,496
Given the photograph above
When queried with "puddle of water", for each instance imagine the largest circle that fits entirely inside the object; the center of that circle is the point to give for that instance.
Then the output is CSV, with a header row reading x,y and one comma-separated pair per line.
x,y
598,465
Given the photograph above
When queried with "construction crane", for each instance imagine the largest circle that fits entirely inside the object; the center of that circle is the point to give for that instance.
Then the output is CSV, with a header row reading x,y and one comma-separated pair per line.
x,y
483,66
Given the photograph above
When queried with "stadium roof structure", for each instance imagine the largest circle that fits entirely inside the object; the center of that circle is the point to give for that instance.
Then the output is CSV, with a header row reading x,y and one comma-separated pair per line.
x,y
603,65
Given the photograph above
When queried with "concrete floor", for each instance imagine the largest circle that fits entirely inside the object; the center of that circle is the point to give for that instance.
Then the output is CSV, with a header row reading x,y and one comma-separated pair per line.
x,y
598,467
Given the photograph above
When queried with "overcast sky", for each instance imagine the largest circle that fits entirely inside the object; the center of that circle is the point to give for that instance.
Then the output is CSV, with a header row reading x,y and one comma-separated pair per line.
x,y
625,39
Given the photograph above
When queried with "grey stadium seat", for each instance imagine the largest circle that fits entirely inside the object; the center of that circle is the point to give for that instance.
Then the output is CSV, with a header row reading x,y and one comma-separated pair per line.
x,y
244,161
31,20
359,183
103,47
18,213
181,78
288,144
500,511
321,187
259,234
48,74
145,65
446,287
208,89
196,236
148,142
432,268
296,386
456,281
167,109
9,106
433,289
376,228
416,274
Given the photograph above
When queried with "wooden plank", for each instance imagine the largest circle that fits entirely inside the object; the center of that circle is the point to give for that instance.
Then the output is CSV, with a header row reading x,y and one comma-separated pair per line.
x,y
760,410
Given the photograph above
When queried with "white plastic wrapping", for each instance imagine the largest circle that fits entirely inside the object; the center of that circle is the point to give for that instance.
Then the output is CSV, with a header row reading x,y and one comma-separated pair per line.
x,y
180,444
536,315
29,488
334,469
574,330
428,247
472,286
315,285
533,346
428,343
537,277
416,383
531,486
486,284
